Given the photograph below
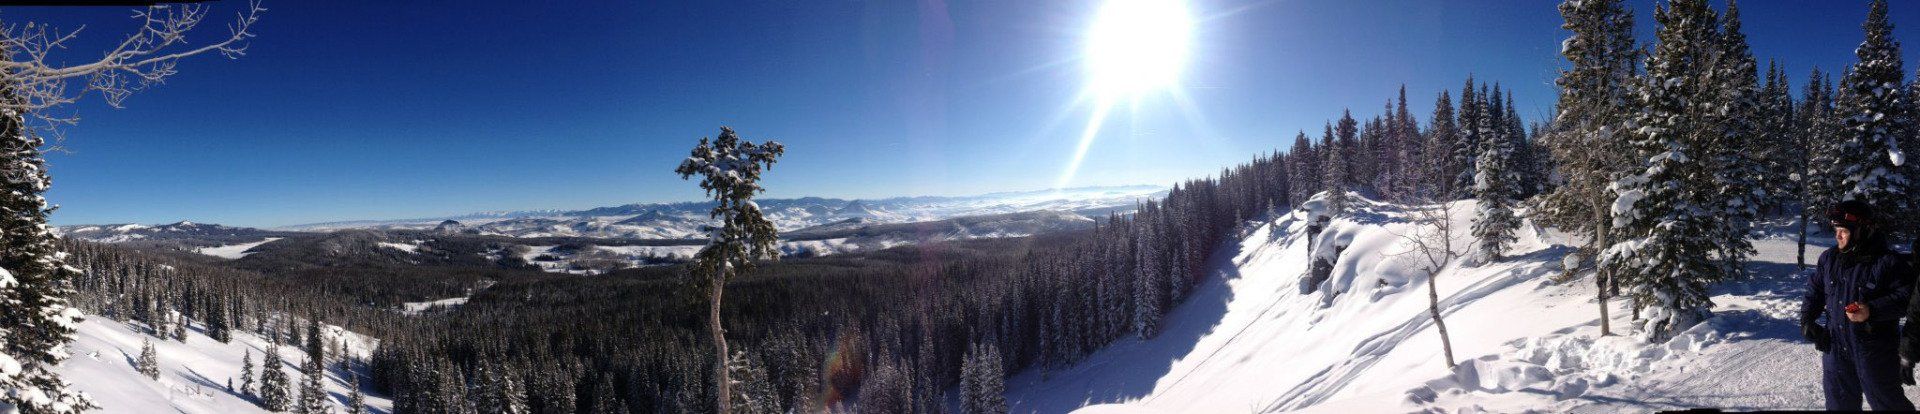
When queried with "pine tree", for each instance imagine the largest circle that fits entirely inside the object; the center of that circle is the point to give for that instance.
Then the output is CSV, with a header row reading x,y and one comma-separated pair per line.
x,y
1666,241
313,391
755,392
246,373
37,321
149,363
1338,168
730,173
1443,140
274,388
1495,177
1738,175
1876,112
1147,293
512,395
1298,168
983,381
1818,134
357,401
1594,94
887,390
1466,151
217,326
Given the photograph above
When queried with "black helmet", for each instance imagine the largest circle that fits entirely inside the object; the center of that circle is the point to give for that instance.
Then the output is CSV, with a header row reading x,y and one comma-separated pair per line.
x,y
1851,214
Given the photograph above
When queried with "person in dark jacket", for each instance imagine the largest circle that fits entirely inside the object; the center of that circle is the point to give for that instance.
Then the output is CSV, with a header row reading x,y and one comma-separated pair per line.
x,y
1861,288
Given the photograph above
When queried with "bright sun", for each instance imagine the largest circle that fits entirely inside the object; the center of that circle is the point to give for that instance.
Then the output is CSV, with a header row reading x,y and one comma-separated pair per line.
x,y
1136,46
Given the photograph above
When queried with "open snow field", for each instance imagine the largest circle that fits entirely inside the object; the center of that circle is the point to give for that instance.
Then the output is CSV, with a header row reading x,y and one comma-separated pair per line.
x,y
1253,339
194,374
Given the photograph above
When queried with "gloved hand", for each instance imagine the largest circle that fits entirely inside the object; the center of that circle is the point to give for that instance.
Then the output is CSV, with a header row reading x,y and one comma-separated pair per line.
x,y
1816,334
1906,372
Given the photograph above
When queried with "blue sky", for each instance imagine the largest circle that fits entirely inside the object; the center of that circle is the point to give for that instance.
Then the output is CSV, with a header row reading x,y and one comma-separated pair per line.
x,y
375,109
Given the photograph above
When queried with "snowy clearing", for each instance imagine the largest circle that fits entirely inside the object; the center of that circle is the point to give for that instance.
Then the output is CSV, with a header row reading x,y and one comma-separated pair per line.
x,y
193,375
233,251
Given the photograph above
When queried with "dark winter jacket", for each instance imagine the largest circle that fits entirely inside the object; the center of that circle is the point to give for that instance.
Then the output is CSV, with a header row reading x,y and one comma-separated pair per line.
x,y
1873,275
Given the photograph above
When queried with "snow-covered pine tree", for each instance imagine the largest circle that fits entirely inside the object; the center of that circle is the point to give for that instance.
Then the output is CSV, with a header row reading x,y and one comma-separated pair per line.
x,y
1778,150
512,393
486,389
1665,248
36,321
604,399
274,389
1735,97
1339,176
149,362
888,390
1876,112
217,326
313,392
729,171
754,391
1466,150
1411,159
357,400
1148,292
1819,130
1443,140
1304,168
246,373
982,381
1495,178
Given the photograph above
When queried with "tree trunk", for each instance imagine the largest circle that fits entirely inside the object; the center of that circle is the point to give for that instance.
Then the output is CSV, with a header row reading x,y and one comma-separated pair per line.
x,y
1602,232
721,396
1433,307
1803,238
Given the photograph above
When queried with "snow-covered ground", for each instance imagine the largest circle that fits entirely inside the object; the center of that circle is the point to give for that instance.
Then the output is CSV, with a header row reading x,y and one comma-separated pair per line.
x,y
193,375
1253,339
233,251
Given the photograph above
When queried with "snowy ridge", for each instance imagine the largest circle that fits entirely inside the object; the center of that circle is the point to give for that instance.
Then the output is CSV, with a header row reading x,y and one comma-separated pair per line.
x,y
1260,335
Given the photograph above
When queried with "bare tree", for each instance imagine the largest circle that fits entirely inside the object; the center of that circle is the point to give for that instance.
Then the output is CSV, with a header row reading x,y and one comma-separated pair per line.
x,y
35,69
1431,243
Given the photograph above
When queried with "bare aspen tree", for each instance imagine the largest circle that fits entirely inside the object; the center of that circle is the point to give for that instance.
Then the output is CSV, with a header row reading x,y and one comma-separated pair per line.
x,y
1431,244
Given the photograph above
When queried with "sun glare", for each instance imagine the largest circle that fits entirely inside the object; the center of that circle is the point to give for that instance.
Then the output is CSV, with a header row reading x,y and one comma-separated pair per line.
x,y
1136,46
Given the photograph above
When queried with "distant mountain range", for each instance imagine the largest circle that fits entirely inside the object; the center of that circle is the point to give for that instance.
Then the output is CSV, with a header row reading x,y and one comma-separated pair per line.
x,y
683,220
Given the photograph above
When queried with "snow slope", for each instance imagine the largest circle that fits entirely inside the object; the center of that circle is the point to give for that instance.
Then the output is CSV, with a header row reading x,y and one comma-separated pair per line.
x,y
193,375
1255,337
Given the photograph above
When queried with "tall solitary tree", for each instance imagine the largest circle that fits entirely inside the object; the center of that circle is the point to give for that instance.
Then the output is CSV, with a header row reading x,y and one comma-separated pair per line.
x,y
729,171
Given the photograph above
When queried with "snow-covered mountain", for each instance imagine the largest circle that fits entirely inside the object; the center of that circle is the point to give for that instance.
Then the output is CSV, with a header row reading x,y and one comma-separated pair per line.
x,y
1261,336
120,233
683,220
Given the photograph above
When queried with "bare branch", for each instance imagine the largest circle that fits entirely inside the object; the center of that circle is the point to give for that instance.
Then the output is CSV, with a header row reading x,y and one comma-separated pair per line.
x,y
146,57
